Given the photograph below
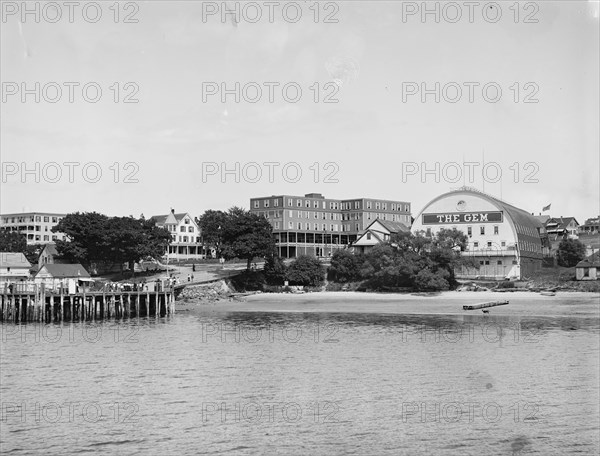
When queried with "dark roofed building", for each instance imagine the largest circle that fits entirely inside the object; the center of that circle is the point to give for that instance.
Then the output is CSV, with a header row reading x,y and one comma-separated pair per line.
x,y
587,269
562,226
377,232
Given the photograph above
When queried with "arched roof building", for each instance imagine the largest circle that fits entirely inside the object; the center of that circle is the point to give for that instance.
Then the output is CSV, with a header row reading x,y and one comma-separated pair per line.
x,y
506,241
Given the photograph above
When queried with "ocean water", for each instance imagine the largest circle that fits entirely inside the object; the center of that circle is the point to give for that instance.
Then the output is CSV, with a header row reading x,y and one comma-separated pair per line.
x,y
246,383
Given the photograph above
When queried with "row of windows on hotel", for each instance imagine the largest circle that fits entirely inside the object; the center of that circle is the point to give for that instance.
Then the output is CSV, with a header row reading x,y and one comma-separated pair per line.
x,y
316,227
334,205
482,230
338,216
182,229
37,218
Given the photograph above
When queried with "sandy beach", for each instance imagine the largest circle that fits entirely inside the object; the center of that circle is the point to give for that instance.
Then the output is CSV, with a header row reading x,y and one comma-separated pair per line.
x,y
567,304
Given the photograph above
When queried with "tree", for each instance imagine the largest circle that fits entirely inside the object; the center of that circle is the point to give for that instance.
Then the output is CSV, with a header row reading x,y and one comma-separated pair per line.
x,y
345,266
32,252
212,223
11,241
274,270
570,252
306,270
93,237
247,236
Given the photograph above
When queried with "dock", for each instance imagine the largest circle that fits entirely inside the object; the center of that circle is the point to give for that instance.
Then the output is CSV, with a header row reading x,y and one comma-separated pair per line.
x,y
37,304
485,304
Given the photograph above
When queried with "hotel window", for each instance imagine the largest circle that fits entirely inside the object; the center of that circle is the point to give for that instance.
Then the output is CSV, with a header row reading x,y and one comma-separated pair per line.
x,y
481,262
315,215
323,215
514,262
470,231
331,227
377,205
190,229
307,203
38,237
489,244
54,238
482,230
290,225
298,203
503,243
46,228
368,204
406,208
290,202
384,206
266,203
324,227
356,204
182,229
356,227
496,229
307,226
275,203
187,221
46,238
499,262
487,261
256,204
46,219
475,244
53,220
316,204
276,225
316,227
37,219
299,225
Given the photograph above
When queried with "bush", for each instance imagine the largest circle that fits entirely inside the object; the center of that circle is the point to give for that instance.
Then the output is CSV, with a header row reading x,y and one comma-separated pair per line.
x,y
345,266
249,281
570,252
432,281
306,270
274,270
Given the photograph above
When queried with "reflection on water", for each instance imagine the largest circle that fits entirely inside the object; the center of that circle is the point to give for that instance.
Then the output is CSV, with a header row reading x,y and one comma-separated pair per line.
x,y
253,383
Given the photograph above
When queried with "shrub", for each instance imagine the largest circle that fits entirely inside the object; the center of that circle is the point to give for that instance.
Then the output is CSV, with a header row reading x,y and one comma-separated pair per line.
x,y
249,281
570,252
274,270
306,270
432,281
345,266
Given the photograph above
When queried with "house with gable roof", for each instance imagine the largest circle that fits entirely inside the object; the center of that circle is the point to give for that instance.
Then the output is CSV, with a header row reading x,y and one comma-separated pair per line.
x,y
377,232
185,233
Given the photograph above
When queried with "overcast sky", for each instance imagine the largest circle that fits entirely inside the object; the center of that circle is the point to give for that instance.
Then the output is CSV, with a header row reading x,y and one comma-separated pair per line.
x,y
369,56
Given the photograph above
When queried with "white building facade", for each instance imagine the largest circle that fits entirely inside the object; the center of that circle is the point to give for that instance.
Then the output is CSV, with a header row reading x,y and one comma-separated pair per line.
x,y
503,240
185,234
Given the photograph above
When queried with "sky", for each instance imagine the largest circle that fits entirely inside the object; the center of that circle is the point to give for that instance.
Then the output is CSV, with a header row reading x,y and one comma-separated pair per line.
x,y
380,101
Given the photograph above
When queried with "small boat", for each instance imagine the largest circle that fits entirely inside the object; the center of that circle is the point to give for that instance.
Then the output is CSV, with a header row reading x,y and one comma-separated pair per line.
x,y
548,293
485,304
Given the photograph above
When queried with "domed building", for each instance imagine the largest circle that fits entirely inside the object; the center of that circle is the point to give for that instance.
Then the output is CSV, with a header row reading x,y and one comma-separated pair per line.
x,y
504,241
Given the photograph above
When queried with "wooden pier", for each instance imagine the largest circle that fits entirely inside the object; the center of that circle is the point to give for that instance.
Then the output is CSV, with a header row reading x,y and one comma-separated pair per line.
x,y
35,303
485,305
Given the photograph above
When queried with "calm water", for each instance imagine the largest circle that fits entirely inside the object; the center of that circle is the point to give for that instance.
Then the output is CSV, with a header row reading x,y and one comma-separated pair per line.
x,y
298,384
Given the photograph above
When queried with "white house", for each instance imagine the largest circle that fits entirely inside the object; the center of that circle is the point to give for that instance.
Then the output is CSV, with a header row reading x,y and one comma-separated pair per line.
x,y
13,267
185,233
588,268
377,232
53,275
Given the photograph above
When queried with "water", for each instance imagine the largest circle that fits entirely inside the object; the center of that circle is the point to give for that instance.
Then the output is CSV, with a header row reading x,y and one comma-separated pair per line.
x,y
296,384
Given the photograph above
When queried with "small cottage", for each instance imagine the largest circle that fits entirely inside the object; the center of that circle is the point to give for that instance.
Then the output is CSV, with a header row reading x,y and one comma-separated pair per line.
x,y
13,267
73,277
587,269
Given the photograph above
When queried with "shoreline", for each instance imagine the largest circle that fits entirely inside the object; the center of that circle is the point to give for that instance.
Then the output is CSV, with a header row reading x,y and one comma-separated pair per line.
x,y
563,304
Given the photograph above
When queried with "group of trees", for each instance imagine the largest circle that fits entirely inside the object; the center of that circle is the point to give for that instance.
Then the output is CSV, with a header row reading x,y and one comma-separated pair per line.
x,y
570,252
96,238
406,261
304,270
237,233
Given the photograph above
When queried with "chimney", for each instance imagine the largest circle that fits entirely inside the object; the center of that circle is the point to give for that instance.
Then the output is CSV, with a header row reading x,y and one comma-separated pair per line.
x,y
172,211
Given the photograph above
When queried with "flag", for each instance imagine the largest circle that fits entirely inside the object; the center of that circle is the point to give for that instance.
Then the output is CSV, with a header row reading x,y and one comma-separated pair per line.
x,y
547,208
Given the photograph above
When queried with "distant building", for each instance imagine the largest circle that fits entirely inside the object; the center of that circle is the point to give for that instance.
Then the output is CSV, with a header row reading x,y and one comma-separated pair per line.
x,y
36,226
503,240
13,267
377,232
591,226
54,274
317,226
49,255
558,227
185,233
588,268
